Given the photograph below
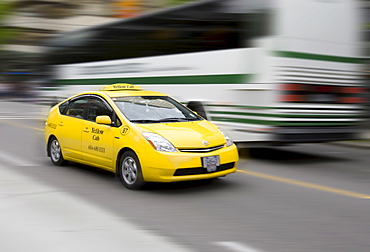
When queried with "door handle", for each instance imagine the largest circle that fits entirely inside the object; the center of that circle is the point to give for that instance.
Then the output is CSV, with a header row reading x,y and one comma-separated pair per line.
x,y
86,130
61,124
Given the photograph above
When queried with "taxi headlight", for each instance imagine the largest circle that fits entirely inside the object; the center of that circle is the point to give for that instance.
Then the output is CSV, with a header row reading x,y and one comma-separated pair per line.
x,y
229,142
158,142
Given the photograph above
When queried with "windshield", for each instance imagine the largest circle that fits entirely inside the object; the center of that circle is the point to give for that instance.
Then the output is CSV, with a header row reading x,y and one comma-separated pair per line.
x,y
154,109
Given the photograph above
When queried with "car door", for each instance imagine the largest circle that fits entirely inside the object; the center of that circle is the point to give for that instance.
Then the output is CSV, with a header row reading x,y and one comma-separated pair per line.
x,y
70,127
98,139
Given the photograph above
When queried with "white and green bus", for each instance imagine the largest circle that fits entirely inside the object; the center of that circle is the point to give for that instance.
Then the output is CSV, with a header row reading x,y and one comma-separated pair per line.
x,y
273,72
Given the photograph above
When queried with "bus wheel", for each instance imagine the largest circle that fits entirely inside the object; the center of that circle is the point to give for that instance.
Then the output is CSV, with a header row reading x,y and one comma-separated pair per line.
x,y
130,171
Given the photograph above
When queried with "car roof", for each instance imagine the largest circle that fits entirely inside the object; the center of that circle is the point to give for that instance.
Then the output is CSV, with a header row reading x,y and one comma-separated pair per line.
x,y
124,89
131,93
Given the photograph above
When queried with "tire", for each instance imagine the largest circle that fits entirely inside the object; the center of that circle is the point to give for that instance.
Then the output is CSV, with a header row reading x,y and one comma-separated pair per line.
x,y
55,152
130,171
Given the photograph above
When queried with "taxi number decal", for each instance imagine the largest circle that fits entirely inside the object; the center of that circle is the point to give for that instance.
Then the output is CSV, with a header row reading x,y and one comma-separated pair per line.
x,y
125,130
96,148
52,125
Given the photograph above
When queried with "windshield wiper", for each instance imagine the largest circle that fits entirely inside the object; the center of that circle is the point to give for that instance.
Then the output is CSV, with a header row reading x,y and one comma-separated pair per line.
x,y
145,121
174,119
169,119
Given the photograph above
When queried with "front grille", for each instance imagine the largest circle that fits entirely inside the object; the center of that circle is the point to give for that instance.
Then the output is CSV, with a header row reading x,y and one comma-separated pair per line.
x,y
201,170
202,149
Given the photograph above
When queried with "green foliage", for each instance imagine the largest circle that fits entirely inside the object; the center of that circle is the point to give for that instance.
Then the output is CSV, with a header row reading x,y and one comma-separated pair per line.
x,y
178,2
6,33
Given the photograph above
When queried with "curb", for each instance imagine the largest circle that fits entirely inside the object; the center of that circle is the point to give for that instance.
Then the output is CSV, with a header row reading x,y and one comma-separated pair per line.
x,y
365,145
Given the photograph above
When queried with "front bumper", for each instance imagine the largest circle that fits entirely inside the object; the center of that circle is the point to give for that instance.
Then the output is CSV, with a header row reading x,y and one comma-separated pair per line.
x,y
182,166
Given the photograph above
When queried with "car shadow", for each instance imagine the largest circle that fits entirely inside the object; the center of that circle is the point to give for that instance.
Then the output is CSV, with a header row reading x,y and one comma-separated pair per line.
x,y
287,156
182,186
188,186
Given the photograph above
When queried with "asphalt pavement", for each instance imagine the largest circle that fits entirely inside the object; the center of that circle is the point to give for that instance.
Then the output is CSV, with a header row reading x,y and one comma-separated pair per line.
x,y
299,198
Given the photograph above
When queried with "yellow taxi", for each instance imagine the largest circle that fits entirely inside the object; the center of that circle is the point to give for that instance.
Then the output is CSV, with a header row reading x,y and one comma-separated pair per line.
x,y
142,136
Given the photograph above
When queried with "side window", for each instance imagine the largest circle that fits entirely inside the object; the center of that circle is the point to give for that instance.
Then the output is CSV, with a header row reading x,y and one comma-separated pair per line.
x,y
98,107
63,107
117,122
76,108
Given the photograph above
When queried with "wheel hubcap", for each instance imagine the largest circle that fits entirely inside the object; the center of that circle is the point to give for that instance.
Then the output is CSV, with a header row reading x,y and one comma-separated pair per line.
x,y
55,150
129,170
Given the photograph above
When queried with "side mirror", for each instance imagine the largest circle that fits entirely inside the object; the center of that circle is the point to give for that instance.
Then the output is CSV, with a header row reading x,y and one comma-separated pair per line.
x,y
103,119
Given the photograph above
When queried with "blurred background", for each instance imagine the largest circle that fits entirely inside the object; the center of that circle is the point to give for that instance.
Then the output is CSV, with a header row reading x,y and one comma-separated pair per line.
x,y
25,25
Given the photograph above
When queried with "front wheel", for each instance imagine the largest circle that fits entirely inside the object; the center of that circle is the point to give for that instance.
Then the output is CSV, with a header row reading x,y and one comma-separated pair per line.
x,y
130,171
55,152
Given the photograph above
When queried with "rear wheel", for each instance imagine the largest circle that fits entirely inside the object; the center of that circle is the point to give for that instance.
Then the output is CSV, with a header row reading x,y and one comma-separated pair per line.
x,y
55,152
130,171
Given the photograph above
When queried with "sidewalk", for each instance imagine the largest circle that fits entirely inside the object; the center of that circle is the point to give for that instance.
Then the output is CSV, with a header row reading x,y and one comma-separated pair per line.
x,y
39,217
363,142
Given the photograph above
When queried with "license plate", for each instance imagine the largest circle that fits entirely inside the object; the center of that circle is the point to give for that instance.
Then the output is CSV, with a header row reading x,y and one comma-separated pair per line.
x,y
211,163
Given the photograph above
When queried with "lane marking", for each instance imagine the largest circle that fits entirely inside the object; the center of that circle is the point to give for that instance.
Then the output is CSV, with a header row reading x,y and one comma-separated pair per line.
x,y
34,128
306,185
17,118
235,246
20,125
13,160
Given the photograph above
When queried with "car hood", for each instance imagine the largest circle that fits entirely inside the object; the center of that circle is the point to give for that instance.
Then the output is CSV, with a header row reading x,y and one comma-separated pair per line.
x,y
187,134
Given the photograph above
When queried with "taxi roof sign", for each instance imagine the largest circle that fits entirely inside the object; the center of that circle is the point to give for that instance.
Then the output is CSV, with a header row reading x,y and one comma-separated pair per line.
x,y
121,87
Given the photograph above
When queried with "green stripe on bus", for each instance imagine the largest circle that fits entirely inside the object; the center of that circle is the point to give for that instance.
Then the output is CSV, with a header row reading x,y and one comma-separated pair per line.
x,y
311,56
293,108
282,115
276,123
243,120
239,106
194,79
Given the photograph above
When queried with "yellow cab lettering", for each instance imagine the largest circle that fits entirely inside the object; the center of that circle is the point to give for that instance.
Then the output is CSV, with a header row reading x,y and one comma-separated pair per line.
x,y
97,131
122,86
